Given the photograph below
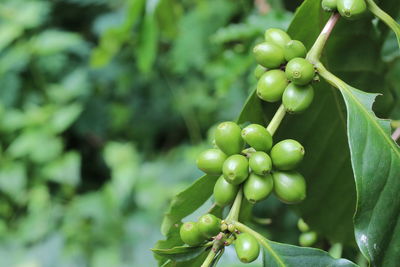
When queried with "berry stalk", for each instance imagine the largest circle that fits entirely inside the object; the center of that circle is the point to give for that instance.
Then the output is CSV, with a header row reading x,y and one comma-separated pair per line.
x,y
276,120
234,212
315,52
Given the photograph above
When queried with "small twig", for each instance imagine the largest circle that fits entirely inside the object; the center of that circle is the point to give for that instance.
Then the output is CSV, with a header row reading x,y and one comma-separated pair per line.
x,y
396,134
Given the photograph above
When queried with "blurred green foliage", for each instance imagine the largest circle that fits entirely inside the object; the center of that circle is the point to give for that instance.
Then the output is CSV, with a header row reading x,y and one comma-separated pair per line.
x,y
99,102
104,106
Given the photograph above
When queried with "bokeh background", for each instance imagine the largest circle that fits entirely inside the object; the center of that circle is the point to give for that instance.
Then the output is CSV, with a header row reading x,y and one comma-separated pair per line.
x,y
104,106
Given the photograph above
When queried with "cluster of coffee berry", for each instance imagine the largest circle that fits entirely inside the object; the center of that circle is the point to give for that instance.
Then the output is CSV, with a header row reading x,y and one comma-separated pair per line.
x,y
259,172
210,227
283,72
351,9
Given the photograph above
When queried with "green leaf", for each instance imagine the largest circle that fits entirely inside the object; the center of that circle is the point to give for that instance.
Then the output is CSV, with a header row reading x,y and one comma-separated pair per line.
x,y
182,253
13,180
187,201
65,170
283,255
376,165
252,110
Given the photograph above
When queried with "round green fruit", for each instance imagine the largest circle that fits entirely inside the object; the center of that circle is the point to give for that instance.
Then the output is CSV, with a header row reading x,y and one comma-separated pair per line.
x,y
257,137
236,169
287,154
294,49
211,161
303,227
351,9
308,239
257,187
297,98
271,85
289,187
329,5
228,138
259,71
300,71
190,234
209,225
277,37
260,163
224,192
247,248
269,55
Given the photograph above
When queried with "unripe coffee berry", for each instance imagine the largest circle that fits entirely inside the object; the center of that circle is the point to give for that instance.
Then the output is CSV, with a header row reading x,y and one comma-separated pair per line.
x,y
211,161
236,169
289,187
308,239
257,137
287,154
224,192
329,5
259,71
271,85
257,188
269,55
228,138
209,225
277,37
303,227
247,248
190,234
260,163
297,98
300,71
351,9
294,49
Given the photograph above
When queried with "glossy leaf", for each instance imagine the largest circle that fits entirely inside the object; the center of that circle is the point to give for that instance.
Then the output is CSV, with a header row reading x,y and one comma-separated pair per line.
x,y
182,253
376,165
284,255
187,201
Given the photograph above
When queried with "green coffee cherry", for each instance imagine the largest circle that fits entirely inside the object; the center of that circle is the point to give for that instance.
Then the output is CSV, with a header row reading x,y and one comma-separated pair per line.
x,y
257,137
351,9
190,234
259,71
224,192
308,239
289,187
329,5
303,227
211,161
236,169
269,55
277,37
228,138
271,85
294,49
260,163
257,188
247,248
209,225
300,71
297,98
287,154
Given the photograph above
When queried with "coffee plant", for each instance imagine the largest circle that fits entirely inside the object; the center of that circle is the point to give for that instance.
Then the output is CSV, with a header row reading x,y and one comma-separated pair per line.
x,y
248,163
